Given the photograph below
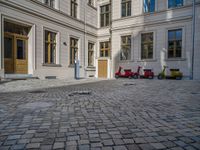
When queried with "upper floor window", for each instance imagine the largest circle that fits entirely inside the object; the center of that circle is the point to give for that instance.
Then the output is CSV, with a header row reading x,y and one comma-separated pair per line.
x,y
91,2
105,15
125,48
90,54
126,8
50,3
50,47
174,43
175,3
147,45
104,49
73,50
149,6
74,6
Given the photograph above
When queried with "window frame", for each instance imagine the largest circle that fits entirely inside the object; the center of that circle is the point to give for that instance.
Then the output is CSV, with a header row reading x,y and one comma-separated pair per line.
x,y
74,8
49,3
49,43
174,41
72,56
127,3
149,6
153,44
126,44
104,49
91,50
105,13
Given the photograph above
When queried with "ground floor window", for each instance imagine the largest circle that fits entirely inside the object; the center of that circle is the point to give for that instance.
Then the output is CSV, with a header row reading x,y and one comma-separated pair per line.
x,y
90,54
125,48
73,50
147,45
174,43
50,47
104,49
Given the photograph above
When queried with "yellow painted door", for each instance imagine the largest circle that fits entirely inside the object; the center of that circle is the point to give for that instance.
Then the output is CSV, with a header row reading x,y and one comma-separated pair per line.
x,y
8,53
102,68
20,55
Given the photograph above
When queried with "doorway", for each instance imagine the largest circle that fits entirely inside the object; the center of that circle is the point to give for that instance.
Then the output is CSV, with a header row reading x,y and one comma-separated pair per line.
x,y
15,49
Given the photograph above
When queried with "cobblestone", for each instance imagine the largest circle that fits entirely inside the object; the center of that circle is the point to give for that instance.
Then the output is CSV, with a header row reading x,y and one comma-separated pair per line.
x,y
147,115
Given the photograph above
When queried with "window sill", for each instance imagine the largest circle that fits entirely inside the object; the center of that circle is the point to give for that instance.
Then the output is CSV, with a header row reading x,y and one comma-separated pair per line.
x,y
73,66
125,61
90,68
52,65
175,59
147,60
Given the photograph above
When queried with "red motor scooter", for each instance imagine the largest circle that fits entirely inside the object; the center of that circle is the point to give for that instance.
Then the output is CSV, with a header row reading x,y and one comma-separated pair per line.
x,y
123,73
148,74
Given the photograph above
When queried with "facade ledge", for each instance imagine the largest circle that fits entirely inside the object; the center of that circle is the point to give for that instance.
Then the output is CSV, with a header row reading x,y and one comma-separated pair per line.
x,y
92,7
175,59
147,60
73,66
51,65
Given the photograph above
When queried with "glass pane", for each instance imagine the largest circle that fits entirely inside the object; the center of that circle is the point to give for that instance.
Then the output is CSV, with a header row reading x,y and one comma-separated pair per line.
x,y
179,35
46,35
170,3
171,35
123,40
21,49
53,53
102,20
53,37
107,19
152,5
101,54
8,44
179,3
123,9
129,9
106,53
46,52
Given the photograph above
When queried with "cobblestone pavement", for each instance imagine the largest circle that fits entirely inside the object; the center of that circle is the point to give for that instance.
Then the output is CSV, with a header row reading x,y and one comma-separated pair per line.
x,y
33,84
106,115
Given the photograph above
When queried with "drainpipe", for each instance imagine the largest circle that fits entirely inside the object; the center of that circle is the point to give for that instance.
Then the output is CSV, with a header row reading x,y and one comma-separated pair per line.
x,y
85,5
111,63
193,40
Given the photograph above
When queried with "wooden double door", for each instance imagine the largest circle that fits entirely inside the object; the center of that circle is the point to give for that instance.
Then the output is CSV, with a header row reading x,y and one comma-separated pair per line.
x,y
102,68
15,54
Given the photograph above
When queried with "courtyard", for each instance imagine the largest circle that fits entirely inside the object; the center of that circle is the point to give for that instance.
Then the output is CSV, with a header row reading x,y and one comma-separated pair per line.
x,y
103,115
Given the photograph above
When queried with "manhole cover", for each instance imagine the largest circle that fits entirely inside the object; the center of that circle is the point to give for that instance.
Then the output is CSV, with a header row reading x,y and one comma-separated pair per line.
x,y
36,105
80,93
128,84
36,92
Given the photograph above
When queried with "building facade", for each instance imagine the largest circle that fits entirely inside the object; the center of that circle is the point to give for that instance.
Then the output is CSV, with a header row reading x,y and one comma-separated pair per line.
x,y
44,37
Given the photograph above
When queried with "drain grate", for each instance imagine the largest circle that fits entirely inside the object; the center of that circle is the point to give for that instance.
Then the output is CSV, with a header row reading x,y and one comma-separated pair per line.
x,y
80,93
195,93
128,84
37,92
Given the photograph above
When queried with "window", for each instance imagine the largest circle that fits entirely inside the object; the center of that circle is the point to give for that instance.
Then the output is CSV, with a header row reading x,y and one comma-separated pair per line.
x,y
126,8
149,6
50,47
91,2
104,49
90,54
175,3
174,43
147,46
50,3
74,6
125,48
73,50
105,16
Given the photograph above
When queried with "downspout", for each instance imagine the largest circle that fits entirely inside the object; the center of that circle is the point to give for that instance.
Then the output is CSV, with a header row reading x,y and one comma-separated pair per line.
x,y
193,40
111,63
84,38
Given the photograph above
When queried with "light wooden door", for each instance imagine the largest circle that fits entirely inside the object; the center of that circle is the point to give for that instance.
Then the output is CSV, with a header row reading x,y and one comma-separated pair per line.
x,y
102,68
21,56
8,53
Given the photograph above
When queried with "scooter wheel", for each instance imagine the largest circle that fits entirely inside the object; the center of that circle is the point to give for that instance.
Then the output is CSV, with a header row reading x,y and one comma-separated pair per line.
x,y
135,76
160,77
116,76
